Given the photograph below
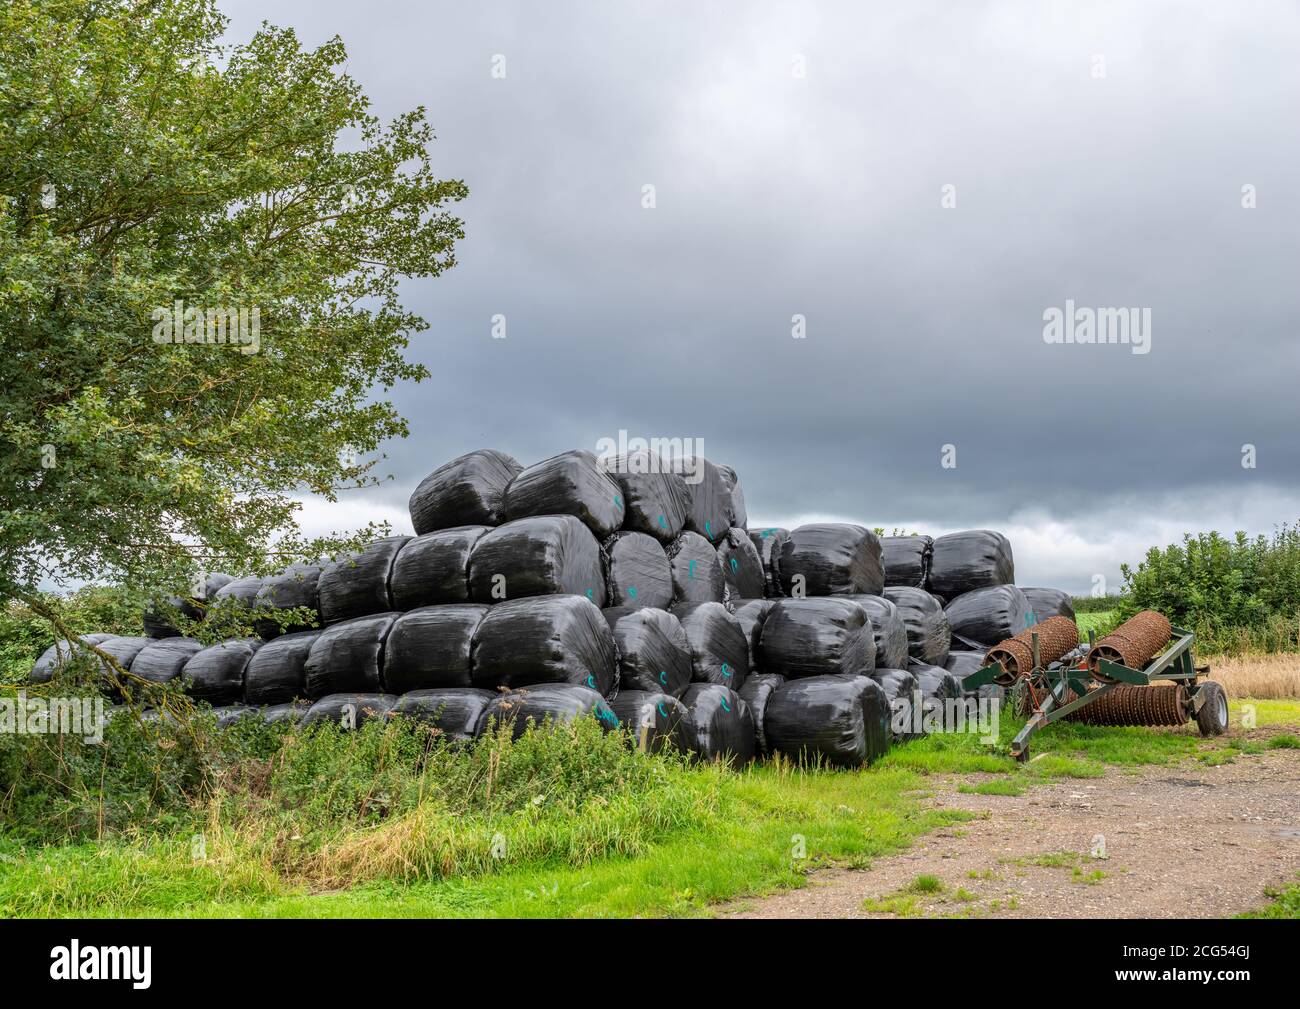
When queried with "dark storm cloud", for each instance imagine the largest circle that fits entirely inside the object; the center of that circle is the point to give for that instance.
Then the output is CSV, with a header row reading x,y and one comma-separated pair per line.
x,y
821,196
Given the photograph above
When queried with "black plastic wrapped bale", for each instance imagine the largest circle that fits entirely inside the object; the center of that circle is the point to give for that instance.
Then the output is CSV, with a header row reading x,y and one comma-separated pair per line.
x,y
431,647
896,682
545,703
653,719
697,575
769,543
216,674
1049,603
539,556
125,650
929,635
976,559
719,724
757,690
243,590
739,514
654,653
719,653
750,614
545,639
434,568
469,490
987,616
831,559
708,501
349,711
654,497
962,664
277,673
742,568
61,652
162,660
935,681
456,712
637,572
294,587
906,560
292,712
357,586
157,621
843,721
348,657
816,637
899,686
887,628
571,483
228,714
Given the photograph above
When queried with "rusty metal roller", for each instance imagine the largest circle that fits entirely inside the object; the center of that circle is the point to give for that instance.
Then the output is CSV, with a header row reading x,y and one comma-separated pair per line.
x,y
1056,636
1133,643
1128,704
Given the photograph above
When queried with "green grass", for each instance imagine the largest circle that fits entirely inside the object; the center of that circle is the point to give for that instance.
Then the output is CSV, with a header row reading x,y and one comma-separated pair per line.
x,y
1284,902
664,840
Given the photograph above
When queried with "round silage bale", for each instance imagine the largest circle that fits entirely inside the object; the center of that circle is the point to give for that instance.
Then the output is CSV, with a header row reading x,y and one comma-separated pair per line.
x,y
965,561
817,637
841,720
216,674
469,490
719,725
654,653
546,703
988,616
929,634
431,647
277,672
349,710
750,614
545,639
708,500
757,691
742,568
571,483
652,719
831,559
542,555
888,629
297,586
719,652
637,572
739,514
433,569
347,656
697,575
162,660
357,585
654,497
456,712
906,560
769,542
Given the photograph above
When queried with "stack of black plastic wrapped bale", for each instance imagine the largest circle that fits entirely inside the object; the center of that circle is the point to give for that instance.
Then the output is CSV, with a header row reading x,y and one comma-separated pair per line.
x,y
570,587
627,588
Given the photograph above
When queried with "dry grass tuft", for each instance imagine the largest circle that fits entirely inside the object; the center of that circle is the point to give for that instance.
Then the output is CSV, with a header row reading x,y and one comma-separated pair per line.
x,y
1265,677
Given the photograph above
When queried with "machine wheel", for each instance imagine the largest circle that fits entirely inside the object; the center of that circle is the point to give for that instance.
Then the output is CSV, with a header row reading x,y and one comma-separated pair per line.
x,y
1212,719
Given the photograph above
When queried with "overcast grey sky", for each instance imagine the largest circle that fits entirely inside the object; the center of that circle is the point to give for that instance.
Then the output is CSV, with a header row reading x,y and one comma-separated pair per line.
x,y
1098,153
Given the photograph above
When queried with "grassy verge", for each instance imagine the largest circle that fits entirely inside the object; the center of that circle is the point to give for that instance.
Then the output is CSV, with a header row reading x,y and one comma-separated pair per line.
x,y
559,824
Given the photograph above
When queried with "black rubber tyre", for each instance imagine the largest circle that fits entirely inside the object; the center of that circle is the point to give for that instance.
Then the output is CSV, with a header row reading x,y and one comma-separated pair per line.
x,y
1212,719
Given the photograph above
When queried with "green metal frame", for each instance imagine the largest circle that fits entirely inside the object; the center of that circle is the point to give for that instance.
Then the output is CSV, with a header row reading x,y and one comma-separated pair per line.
x,y
1174,663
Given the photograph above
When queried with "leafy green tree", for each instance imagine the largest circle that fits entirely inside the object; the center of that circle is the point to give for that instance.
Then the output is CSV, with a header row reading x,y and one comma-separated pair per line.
x,y
143,162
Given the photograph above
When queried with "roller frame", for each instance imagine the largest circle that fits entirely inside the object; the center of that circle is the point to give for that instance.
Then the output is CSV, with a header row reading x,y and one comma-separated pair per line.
x,y
1175,662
